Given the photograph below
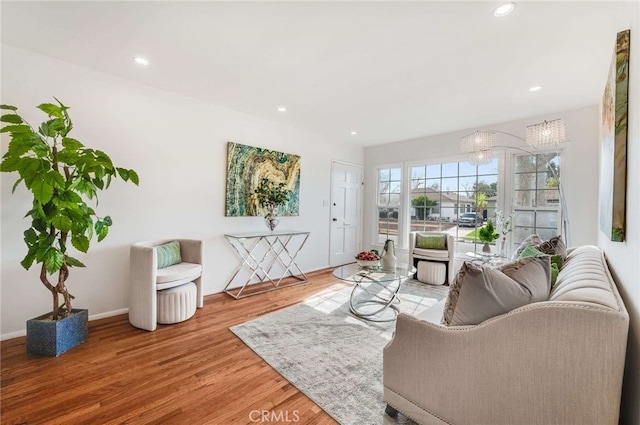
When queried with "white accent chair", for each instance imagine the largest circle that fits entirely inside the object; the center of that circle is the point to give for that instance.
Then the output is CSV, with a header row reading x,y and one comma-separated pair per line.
x,y
442,256
146,280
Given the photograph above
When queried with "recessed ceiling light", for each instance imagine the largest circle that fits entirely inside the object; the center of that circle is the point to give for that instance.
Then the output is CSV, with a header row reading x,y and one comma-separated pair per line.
x,y
141,61
353,133
282,109
535,88
504,9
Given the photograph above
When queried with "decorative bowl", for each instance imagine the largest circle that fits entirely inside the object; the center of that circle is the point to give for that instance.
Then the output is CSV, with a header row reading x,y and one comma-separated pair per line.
x,y
368,264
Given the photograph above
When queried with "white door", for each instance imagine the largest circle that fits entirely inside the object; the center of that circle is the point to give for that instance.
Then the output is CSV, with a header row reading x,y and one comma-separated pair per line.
x,y
346,213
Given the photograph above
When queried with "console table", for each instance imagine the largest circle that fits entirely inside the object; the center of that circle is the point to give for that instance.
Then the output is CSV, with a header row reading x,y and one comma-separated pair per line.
x,y
260,253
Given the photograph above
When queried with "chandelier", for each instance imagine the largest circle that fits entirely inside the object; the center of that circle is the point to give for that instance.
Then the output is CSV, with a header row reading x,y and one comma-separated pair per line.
x,y
546,134
478,145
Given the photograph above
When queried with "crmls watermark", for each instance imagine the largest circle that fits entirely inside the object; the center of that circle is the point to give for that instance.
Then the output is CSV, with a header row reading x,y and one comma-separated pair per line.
x,y
276,417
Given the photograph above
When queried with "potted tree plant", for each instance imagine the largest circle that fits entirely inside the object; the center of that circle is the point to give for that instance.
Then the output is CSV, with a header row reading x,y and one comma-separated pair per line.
x,y
62,175
270,195
487,234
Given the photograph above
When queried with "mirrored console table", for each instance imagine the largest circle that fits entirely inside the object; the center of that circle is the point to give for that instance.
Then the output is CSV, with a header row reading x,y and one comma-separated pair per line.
x,y
268,258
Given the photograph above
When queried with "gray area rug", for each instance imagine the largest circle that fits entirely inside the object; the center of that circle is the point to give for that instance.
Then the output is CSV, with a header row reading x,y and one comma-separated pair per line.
x,y
330,355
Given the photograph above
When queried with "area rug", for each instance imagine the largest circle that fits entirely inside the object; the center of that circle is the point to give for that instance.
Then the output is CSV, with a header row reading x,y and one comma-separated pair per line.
x,y
330,355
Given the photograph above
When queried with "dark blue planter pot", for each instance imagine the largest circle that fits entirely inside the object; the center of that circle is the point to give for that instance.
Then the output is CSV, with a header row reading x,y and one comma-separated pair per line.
x,y
49,338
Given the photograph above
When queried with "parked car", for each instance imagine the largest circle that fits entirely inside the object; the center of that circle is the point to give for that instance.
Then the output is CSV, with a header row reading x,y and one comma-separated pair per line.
x,y
470,219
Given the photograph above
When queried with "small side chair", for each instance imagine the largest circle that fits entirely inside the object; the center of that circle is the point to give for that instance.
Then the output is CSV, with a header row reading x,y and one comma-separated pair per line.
x,y
171,293
429,252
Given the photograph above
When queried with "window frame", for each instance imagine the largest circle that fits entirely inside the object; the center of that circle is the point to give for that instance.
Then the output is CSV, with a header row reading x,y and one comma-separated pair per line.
x,y
512,154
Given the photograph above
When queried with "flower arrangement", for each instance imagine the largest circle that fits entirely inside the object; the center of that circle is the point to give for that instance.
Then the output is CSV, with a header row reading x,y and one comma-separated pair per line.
x,y
505,226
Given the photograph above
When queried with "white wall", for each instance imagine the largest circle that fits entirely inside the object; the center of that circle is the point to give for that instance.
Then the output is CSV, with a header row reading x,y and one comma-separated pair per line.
x,y
579,160
178,147
624,257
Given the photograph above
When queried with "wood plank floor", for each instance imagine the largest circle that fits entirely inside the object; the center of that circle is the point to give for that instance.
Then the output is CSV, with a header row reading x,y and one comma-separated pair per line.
x,y
194,372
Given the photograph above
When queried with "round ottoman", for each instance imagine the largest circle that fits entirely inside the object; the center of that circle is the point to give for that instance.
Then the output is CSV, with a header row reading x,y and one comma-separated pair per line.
x,y
177,304
432,272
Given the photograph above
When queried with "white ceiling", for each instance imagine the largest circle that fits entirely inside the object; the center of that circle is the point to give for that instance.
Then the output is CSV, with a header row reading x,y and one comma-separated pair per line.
x,y
388,70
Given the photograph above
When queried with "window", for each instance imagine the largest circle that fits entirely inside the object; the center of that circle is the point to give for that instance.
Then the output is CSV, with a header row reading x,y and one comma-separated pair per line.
x,y
442,193
536,197
389,191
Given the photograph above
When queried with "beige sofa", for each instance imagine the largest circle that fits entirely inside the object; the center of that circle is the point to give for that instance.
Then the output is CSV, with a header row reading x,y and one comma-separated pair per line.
x,y
559,361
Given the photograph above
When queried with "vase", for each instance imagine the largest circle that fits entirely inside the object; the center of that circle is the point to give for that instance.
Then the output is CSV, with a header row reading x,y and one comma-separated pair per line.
x,y
486,248
388,258
503,247
271,219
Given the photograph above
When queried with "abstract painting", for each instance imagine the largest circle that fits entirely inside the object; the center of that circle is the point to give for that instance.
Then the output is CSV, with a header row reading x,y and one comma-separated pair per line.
x,y
247,166
613,160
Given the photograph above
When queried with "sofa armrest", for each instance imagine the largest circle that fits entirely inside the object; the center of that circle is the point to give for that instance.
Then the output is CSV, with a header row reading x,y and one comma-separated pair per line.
x,y
544,363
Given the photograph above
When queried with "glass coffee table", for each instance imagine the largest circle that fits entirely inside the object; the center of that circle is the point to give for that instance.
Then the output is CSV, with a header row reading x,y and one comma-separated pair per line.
x,y
375,292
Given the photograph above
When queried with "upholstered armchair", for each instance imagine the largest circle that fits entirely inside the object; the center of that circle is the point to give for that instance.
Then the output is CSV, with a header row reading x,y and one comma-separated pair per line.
x,y
439,250
167,294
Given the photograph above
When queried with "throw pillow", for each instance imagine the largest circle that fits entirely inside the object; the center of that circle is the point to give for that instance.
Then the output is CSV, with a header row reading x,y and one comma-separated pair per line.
x,y
431,241
556,261
555,271
530,240
168,254
479,293
554,246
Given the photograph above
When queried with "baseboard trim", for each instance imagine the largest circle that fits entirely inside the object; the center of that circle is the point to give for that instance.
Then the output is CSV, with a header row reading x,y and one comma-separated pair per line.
x,y
23,332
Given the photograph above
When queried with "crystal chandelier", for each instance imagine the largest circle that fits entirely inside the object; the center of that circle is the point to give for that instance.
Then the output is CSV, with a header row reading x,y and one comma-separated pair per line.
x,y
480,141
545,134
478,145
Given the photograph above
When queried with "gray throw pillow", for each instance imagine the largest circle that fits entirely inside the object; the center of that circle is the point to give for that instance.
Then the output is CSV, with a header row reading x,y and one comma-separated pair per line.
x,y
531,240
479,292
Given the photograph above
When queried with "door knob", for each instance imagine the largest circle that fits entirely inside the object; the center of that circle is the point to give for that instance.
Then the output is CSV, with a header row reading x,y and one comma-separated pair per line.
x,y
335,219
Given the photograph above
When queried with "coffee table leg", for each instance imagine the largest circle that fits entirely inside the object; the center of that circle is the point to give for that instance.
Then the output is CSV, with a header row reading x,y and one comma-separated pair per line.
x,y
356,307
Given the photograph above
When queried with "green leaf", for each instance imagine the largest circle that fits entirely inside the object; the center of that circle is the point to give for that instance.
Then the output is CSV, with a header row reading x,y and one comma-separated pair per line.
x,y
99,183
42,191
16,129
10,163
53,260
71,197
47,131
74,262
133,176
12,108
80,242
68,156
99,226
51,110
124,173
41,150
103,233
107,221
62,223
27,261
56,125
55,179
30,236
104,159
71,144
15,185
12,118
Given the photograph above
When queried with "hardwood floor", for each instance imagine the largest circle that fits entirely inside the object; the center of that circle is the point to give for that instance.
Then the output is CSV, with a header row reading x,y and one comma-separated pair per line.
x,y
194,372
